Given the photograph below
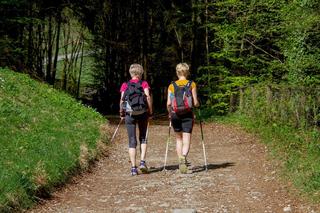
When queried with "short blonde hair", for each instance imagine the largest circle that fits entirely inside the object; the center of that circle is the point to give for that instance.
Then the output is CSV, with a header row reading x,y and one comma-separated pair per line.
x,y
182,69
136,70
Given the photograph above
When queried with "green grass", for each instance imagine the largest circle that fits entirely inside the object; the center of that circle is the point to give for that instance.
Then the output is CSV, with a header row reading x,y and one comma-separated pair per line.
x,y
298,150
41,133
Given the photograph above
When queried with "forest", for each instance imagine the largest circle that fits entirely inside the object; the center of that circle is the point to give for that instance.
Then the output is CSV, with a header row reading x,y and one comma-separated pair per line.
x,y
256,64
86,47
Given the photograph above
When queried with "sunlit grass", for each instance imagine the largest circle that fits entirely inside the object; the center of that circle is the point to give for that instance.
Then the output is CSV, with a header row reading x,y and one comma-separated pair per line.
x,y
41,133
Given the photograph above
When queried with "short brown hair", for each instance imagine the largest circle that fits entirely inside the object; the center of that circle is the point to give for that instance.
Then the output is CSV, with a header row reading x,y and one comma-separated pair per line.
x,y
182,69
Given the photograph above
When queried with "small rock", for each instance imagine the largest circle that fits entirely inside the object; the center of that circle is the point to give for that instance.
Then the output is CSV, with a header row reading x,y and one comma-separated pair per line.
x,y
164,205
184,211
287,209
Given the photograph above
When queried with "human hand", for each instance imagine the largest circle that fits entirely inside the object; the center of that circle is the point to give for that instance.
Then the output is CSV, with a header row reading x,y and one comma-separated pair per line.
x,y
150,115
122,114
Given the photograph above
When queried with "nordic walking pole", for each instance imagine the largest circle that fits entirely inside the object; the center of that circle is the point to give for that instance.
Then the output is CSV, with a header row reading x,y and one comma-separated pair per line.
x,y
115,132
202,140
168,141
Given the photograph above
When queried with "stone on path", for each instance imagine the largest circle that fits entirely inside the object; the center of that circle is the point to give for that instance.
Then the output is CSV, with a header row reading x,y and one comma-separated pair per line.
x,y
184,211
287,209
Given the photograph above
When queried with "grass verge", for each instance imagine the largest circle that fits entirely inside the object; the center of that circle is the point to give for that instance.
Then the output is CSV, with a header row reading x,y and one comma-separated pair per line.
x,y
45,137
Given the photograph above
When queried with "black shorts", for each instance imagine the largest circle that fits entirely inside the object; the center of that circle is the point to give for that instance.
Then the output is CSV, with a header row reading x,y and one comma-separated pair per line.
x,y
182,123
131,123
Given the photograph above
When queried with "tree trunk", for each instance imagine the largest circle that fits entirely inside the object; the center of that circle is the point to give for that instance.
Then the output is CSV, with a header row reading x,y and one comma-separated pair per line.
x,y
55,62
66,36
241,101
80,69
180,49
30,41
207,34
49,58
145,39
39,51
232,103
194,38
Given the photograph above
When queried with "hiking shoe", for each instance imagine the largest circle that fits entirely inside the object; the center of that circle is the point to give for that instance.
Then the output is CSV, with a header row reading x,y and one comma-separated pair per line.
x,y
183,168
143,167
134,171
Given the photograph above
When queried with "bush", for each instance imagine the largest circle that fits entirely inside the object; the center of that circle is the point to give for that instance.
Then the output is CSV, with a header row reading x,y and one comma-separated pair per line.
x,y
296,107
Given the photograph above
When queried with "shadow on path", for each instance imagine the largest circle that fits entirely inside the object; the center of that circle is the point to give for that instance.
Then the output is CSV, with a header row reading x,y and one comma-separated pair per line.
x,y
194,169
212,167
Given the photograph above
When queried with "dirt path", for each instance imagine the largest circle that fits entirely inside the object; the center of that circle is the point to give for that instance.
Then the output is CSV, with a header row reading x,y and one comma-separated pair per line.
x,y
240,179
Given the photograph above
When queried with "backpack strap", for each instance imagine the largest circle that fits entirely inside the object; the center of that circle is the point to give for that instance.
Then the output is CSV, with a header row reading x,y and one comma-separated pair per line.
x,y
127,90
175,86
135,86
188,85
128,86
139,83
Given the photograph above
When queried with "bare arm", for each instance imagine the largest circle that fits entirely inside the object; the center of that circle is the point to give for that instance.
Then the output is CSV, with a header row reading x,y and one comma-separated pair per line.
x,y
121,100
195,97
120,105
149,100
169,101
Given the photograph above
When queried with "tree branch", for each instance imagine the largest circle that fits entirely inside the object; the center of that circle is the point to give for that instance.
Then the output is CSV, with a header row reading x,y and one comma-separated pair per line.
x,y
259,48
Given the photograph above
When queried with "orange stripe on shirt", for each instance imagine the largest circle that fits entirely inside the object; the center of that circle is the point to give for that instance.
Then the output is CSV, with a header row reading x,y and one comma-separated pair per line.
x,y
181,83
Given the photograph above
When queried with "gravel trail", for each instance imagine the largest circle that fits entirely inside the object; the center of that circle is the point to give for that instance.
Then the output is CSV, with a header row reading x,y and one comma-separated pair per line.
x,y
240,178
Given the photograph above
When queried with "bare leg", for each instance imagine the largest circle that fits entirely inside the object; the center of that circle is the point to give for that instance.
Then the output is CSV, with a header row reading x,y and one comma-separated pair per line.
x,y
132,155
143,148
186,143
181,153
179,144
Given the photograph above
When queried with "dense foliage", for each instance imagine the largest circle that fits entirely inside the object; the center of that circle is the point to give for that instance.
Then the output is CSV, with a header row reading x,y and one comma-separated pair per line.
x,y
228,43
